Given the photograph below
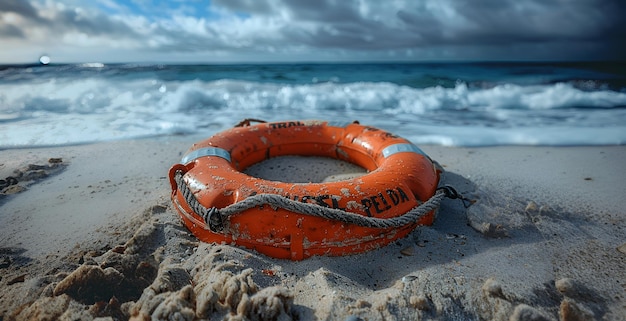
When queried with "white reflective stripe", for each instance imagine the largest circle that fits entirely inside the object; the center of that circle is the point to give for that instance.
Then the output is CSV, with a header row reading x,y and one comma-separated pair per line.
x,y
207,151
400,148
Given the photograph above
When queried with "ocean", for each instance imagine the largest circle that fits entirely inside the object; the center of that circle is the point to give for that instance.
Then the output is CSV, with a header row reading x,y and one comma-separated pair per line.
x,y
452,104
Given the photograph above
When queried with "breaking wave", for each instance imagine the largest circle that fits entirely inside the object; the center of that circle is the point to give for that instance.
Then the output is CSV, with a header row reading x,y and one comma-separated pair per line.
x,y
60,111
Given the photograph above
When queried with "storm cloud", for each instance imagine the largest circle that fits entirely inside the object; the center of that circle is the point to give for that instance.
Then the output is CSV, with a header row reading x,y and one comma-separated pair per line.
x,y
302,30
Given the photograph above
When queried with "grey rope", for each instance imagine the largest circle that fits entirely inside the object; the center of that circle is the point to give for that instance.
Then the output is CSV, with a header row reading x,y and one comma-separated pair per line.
x,y
215,217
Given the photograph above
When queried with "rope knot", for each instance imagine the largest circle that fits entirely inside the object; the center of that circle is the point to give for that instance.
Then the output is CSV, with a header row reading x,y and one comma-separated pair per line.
x,y
449,191
452,193
213,219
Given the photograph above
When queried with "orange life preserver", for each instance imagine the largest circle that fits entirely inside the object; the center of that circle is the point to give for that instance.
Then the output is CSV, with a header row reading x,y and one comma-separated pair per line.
x,y
400,177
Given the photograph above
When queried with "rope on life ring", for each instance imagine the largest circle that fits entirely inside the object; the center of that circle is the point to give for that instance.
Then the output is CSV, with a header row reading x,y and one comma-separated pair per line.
x,y
214,217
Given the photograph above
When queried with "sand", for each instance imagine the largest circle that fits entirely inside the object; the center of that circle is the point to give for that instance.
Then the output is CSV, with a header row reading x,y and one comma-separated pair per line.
x,y
88,232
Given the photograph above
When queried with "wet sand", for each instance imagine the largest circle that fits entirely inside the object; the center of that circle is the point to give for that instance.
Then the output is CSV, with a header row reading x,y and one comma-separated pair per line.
x,y
89,232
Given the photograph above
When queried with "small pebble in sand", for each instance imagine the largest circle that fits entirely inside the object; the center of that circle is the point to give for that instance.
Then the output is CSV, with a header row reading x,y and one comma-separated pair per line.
x,y
570,311
407,251
531,207
524,312
119,249
408,278
361,304
566,286
546,210
622,248
419,302
17,279
14,189
492,288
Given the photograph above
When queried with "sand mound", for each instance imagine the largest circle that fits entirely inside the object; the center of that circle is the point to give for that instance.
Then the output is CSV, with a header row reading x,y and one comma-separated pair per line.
x,y
216,288
159,273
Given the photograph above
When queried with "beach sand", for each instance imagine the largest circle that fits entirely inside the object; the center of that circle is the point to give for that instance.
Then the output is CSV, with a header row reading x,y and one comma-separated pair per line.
x,y
89,232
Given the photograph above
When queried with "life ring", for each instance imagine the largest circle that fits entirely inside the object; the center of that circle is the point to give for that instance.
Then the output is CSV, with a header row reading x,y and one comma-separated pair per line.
x,y
400,177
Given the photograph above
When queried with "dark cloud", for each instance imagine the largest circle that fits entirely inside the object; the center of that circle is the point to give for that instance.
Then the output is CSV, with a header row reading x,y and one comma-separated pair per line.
x,y
571,29
436,29
11,31
61,21
325,11
568,28
534,21
89,23
246,6
336,24
21,7
422,27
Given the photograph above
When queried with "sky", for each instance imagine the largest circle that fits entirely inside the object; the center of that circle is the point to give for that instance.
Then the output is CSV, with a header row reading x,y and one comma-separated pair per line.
x,y
239,31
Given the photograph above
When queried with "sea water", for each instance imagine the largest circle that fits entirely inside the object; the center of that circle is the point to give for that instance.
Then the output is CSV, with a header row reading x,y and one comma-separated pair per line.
x,y
459,104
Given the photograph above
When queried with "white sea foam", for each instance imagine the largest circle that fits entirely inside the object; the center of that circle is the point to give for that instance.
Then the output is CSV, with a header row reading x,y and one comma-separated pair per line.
x,y
62,111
